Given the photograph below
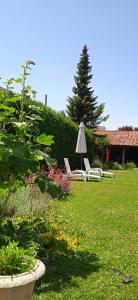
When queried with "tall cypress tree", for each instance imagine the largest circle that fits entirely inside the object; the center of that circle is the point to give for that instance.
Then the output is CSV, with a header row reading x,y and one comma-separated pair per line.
x,y
83,105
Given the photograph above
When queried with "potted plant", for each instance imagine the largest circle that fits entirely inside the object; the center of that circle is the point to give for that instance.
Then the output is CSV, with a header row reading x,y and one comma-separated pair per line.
x,y
19,271
21,148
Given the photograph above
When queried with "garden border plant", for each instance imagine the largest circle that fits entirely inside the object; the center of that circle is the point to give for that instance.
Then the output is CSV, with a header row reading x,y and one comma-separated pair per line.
x,y
21,150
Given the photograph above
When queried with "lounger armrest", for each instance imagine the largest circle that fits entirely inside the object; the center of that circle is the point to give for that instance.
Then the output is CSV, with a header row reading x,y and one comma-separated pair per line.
x,y
78,172
95,172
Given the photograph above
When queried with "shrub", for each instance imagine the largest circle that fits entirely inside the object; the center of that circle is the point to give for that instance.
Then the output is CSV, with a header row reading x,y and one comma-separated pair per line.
x,y
63,184
97,164
56,241
108,165
58,184
62,181
117,166
47,237
102,143
130,165
15,260
65,133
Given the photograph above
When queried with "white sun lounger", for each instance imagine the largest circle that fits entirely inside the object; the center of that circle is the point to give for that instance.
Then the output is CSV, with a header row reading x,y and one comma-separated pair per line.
x,y
79,173
90,170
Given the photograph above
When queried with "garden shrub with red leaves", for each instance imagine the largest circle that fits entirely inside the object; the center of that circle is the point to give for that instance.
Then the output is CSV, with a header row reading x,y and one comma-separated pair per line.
x,y
60,178
59,185
57,175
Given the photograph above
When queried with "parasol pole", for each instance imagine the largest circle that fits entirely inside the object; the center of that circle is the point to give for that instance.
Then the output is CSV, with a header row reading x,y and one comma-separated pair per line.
x,y
81,161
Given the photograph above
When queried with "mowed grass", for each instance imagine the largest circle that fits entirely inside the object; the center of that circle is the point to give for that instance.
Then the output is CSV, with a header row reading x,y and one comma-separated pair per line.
x,y
104,217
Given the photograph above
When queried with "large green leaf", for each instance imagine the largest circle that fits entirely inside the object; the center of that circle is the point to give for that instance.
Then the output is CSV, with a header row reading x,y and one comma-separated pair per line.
x,y
53,189
14,99
7,108
5,111
21,166
42,155
20,150
45,139
20,124
36,155
3,189
8,137
18,80
47,185
2,116
41,181
2,95
34,117
34,107
5,153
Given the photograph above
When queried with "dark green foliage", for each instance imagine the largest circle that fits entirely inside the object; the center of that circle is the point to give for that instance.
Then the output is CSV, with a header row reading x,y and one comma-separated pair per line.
x,y
117,166
23,230
97,164
49,185
65,133
130,165
83,105
54,189
102,143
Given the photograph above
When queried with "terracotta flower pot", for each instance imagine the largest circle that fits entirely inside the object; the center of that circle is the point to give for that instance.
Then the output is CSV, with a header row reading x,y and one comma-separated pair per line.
x,y
20,287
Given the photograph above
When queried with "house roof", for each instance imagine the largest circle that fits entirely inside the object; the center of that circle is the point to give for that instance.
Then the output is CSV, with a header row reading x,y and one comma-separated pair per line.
x,y
120,137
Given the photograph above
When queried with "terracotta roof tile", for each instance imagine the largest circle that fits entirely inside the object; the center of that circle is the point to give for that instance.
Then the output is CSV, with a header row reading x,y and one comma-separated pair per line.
x,y
121,138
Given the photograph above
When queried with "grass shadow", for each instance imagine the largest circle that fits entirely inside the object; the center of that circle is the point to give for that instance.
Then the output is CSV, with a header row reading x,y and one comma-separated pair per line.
x,y
61,272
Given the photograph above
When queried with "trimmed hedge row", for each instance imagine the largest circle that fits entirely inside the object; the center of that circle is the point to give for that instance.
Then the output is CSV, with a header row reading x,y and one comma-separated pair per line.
x,y
65,133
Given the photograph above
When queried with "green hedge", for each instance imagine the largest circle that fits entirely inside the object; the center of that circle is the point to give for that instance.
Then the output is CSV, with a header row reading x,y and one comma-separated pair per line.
x,y
65,133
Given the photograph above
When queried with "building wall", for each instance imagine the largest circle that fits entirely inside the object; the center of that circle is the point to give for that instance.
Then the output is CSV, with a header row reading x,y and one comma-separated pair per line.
x,y
131,154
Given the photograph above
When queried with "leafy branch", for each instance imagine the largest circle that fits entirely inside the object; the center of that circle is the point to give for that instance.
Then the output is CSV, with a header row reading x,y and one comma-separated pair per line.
x,y
21,145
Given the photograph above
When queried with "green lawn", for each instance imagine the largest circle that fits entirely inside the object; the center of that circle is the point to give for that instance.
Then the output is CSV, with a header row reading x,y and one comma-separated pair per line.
x,y
104,217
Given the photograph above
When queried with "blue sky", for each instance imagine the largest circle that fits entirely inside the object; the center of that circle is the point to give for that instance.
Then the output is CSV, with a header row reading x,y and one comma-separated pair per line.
x,y
53,32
